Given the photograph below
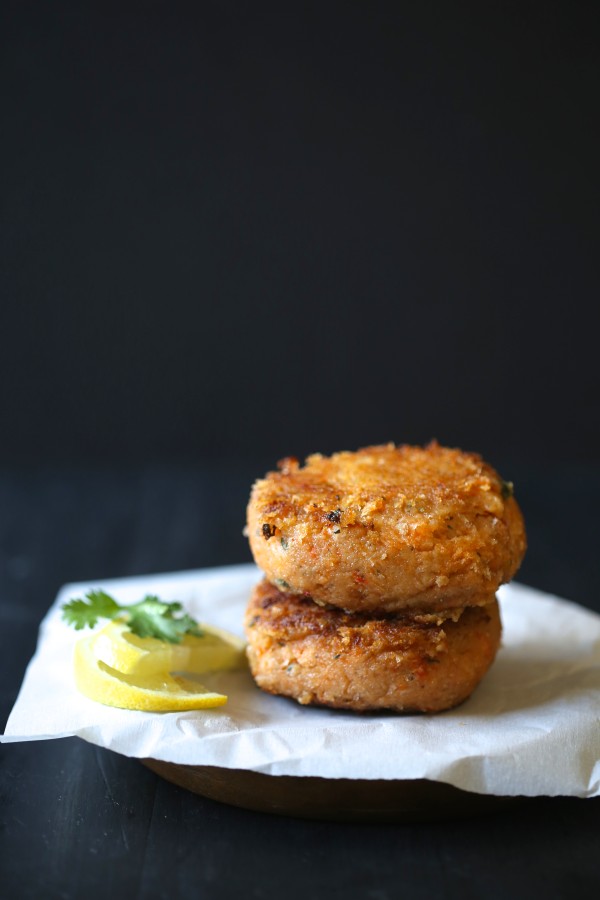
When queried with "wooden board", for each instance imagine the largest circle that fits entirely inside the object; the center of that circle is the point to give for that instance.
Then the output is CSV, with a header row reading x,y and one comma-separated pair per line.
x,y
341,800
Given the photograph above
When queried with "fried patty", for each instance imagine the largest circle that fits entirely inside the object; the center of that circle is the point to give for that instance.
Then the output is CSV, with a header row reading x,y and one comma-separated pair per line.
x,y
387,528
409,663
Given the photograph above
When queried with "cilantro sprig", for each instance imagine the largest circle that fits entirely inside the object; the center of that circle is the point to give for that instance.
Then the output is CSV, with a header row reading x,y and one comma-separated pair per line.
x,y
151,617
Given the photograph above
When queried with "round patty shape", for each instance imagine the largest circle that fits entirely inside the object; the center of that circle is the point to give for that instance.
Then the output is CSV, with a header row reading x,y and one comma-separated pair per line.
x,y
411,663
387,528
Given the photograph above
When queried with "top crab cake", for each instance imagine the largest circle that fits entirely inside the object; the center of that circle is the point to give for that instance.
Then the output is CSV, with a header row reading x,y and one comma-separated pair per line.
x,y
387,528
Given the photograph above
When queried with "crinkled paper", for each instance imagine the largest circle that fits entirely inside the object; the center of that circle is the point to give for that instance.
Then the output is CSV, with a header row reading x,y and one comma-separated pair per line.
x,y
530,728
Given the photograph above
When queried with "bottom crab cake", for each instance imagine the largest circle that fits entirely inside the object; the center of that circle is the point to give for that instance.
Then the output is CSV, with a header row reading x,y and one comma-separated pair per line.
x,y
327,657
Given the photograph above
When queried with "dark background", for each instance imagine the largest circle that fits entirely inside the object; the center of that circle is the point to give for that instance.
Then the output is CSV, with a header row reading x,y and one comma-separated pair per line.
x,y
235,231
238,231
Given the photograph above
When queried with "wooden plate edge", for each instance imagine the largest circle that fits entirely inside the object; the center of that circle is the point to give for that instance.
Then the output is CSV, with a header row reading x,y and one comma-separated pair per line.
x,y
338,800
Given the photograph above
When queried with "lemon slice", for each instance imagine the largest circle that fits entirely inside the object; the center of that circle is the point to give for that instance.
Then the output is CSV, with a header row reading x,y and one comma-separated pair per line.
x,y
117,647
159,692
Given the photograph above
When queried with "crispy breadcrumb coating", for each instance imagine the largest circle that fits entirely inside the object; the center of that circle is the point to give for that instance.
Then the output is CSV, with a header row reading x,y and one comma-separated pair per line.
x,y
387,528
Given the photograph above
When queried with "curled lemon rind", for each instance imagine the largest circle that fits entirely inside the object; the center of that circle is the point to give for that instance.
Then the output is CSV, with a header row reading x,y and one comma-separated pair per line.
x,y
215,650
156,692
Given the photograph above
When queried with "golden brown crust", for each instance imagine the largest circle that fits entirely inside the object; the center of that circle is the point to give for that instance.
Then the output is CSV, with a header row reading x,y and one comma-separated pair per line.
x,y
324,656
387,528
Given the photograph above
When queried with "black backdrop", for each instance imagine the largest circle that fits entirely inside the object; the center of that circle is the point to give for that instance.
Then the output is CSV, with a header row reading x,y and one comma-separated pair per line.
x,y
233,231
237,230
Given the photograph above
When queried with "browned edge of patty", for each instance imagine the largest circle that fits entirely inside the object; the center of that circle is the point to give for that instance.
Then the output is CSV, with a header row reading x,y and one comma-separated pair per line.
x,y
421,663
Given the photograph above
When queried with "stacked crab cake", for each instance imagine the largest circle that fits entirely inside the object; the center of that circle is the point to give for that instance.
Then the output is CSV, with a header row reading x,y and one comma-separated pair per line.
x,y
381,569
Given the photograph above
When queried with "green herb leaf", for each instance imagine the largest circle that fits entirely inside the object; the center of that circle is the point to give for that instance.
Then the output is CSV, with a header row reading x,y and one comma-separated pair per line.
x,y
151,617
85,613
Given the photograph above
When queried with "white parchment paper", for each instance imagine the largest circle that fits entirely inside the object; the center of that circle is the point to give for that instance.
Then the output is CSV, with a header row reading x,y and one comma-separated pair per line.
x,y
532,727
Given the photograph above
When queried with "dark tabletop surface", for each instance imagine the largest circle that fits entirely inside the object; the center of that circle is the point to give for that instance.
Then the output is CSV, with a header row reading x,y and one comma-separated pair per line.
x,y
79,821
